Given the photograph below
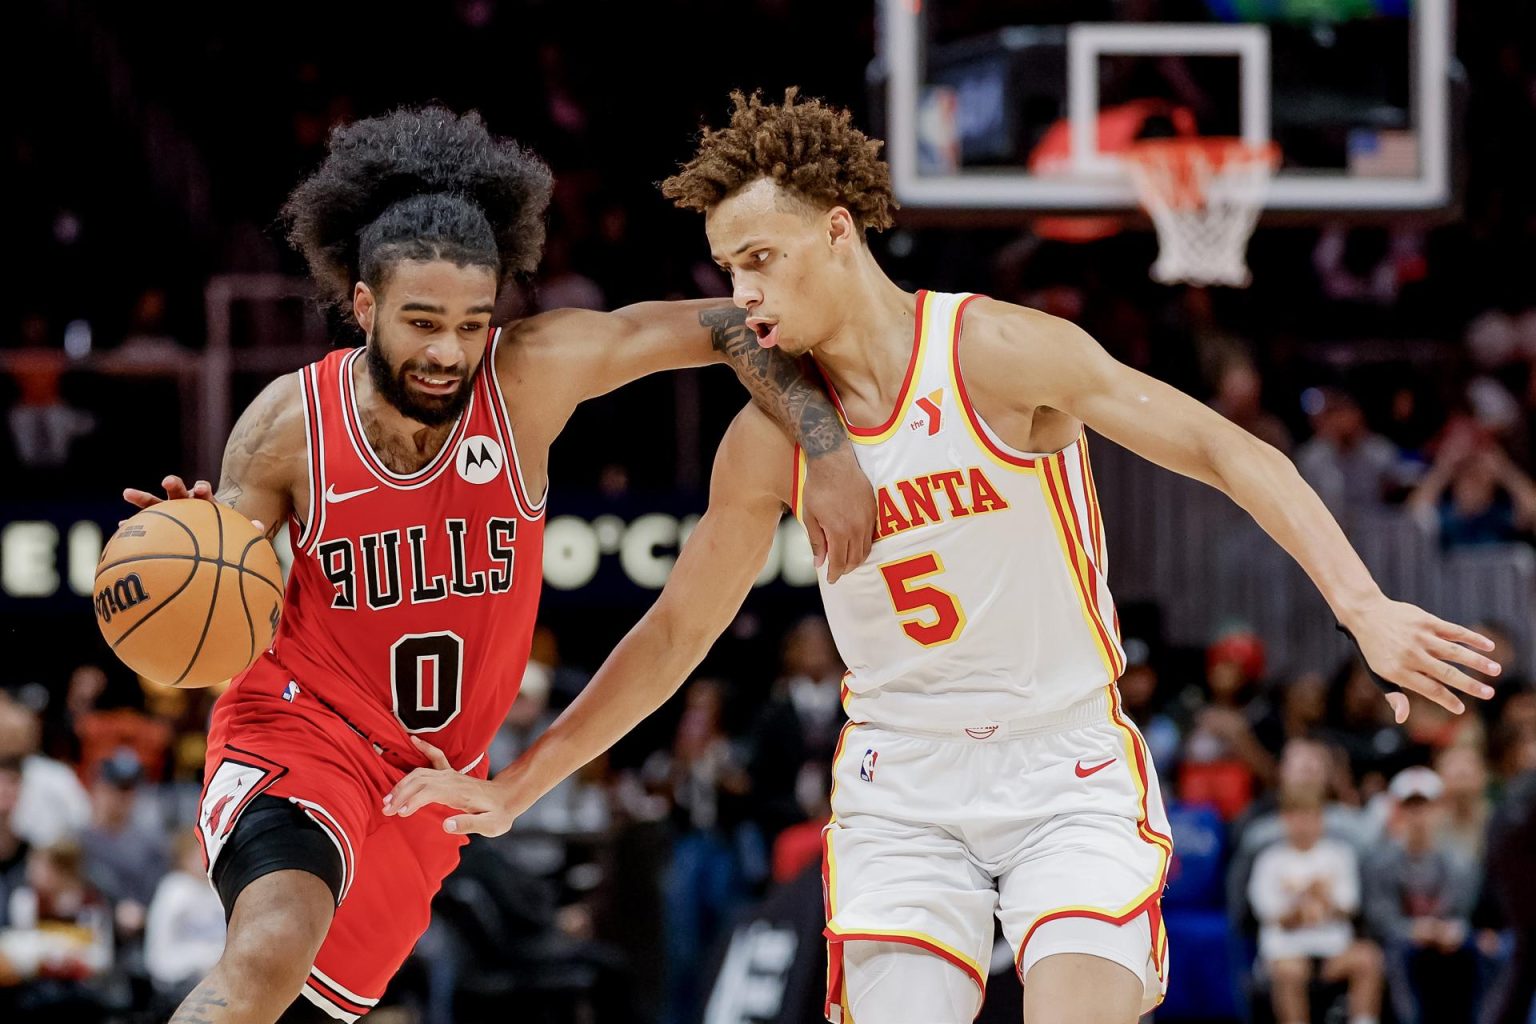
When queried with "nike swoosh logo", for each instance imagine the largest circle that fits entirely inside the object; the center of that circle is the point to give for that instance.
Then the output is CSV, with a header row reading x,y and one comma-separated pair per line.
x,y
1083,773
332,497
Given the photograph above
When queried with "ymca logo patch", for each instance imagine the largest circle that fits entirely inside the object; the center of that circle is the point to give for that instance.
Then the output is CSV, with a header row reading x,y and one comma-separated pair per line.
x,y
479,459
867,765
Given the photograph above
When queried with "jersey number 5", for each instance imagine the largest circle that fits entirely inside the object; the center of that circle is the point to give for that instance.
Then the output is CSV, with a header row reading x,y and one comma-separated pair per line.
x,y
939,619
424,673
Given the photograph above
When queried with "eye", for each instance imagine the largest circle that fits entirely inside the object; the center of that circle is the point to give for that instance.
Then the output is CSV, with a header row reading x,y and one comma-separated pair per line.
x,y
423,325
760,257
472,328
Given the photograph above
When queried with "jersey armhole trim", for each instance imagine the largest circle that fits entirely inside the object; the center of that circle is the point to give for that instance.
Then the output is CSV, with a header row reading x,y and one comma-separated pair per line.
x,y
984,435
499,413
314,457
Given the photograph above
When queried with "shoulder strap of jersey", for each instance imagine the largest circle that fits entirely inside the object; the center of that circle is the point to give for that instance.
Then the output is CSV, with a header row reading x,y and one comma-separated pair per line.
x,y
320,386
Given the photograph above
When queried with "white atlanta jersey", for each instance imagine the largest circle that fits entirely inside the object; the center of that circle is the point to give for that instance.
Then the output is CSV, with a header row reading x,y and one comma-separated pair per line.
x,y
985,597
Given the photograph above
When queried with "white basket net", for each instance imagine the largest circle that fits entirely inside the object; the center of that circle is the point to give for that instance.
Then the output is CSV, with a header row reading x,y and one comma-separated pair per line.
x,y
1204,196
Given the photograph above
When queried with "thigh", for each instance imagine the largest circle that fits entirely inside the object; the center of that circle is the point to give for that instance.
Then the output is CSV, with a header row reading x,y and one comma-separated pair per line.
x,y
262,746
400,868
1089,884
891,873
893,982
1074,988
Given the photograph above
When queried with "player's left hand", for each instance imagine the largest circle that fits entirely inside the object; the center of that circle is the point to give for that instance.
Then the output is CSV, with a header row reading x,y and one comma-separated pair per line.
x,y
1406,645
839,511
441,784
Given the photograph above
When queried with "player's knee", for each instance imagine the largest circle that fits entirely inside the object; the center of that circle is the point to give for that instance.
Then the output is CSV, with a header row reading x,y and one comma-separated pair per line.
x,y
893,981
277,928
1369,962
1290,972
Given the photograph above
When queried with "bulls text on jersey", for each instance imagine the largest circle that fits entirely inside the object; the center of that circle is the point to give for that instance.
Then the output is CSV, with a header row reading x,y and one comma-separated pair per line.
x,y
380,557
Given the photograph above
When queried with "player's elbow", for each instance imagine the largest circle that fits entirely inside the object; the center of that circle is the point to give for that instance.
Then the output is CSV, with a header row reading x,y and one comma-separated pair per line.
x,y
1236,455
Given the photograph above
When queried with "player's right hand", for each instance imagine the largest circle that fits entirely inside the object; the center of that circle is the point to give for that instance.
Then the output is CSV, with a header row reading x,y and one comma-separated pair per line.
x,y
175,490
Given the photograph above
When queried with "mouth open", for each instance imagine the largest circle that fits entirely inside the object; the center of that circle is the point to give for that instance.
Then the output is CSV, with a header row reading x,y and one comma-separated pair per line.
x,y
767,333
435,385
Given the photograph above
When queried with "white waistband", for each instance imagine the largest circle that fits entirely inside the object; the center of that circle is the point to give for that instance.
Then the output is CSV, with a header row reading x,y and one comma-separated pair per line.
x,y
1088,711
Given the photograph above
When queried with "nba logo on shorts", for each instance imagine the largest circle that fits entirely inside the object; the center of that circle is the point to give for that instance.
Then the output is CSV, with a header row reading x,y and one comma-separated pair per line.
x,y
867,766
290,691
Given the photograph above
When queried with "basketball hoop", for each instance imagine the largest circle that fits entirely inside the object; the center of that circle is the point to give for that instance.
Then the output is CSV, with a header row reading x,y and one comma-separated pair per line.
x,y
1204,195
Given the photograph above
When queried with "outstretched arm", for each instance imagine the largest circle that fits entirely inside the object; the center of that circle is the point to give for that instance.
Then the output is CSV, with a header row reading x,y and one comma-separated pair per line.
x,y
1021,358
616,348
714,572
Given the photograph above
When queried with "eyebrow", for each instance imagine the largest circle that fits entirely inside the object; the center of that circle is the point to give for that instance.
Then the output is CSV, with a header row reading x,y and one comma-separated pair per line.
x,y
427,307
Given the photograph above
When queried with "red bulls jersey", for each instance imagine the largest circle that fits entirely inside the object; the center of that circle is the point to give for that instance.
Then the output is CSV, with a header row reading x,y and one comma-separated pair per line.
x,y
411,601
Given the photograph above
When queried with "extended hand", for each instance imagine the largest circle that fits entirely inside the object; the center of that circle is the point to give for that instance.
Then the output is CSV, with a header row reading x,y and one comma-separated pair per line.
x,y
1408,646
175,490
839,511
440,784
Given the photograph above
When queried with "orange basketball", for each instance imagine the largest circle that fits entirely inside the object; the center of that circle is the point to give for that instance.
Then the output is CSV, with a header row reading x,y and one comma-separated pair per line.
x,y
188,593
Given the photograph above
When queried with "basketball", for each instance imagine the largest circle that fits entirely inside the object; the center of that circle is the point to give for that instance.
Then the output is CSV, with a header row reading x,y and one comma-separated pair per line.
x,y
188,593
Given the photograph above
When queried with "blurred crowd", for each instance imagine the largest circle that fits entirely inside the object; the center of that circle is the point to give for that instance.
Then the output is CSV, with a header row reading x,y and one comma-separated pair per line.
x,y
1341,858
1336,861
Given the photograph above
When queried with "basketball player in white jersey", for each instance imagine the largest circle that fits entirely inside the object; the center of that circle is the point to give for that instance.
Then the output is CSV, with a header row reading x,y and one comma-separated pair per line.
x,y
988,768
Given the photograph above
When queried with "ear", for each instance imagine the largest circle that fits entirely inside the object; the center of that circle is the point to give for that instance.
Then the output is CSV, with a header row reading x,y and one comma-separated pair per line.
x,y
841,230
364,306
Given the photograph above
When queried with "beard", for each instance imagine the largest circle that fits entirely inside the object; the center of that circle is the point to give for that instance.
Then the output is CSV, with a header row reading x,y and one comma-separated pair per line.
x,y
394,388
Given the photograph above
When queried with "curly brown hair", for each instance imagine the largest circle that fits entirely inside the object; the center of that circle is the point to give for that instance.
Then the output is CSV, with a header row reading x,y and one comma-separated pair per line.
x,y
807,148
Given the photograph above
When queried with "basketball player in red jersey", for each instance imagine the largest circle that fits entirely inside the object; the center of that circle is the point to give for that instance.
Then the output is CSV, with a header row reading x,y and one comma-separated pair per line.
x,y
988,770
412,475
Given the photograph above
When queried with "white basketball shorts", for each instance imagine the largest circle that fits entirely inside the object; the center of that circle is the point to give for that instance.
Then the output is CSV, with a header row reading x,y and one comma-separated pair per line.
x,y
1054,824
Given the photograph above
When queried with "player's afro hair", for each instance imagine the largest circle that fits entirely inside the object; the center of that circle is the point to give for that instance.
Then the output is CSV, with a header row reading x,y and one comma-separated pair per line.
x,y
418,184
808,148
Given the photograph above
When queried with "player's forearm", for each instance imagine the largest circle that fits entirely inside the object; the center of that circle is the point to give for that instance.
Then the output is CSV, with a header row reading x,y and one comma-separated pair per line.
x,y
783,387
645,669
1267,486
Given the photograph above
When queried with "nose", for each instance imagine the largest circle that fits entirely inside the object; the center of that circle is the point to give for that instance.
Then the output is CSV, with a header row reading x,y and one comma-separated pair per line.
x,y
745,296
445,351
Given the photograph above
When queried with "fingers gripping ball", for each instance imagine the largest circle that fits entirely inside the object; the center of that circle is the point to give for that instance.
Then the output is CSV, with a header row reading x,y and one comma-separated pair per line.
x,y
188,593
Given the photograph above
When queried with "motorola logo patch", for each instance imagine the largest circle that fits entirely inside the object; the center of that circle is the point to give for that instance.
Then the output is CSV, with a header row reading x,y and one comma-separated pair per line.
x,y
478,459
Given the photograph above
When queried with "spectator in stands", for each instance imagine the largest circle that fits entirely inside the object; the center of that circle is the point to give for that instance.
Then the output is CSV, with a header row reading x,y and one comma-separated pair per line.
x,y
1224,763
1464,825
1304,891
184,934
1304,765
704,883
1352,468
800,724
1299,715
1511,875
52,805
58,939
1420,893
124,858
13,848
43,425
1139,699
800,845
1474,495
1360,723
1239,392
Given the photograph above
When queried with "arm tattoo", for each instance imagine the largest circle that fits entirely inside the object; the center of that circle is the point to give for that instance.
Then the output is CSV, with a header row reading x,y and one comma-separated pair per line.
x,y
200,1007
248,449
783,387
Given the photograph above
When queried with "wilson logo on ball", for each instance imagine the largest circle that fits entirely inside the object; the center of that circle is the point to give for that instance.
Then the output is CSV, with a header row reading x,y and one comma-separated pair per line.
x,y
120,596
